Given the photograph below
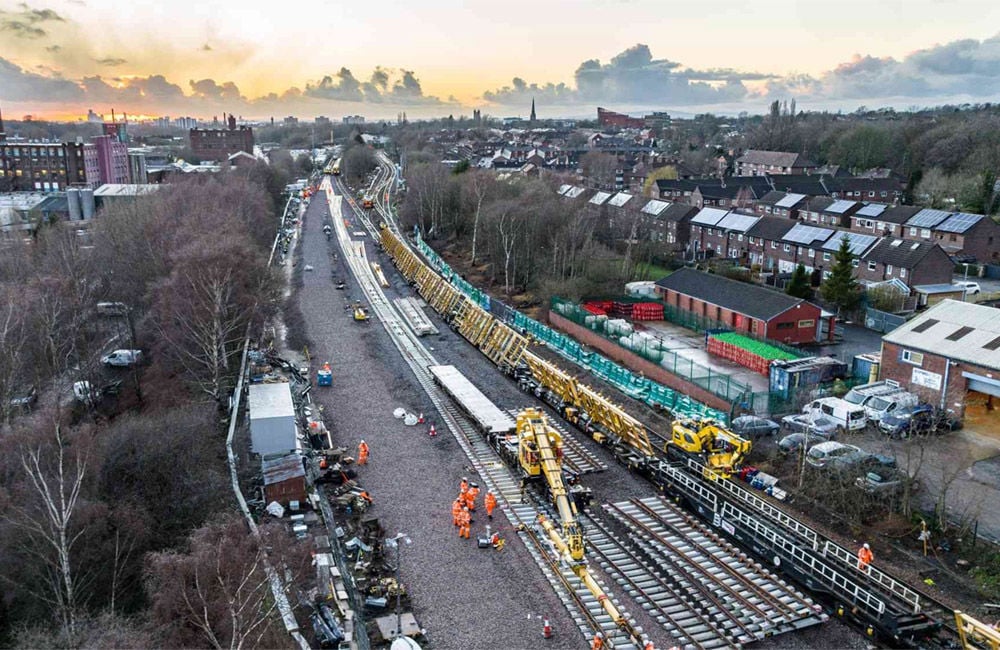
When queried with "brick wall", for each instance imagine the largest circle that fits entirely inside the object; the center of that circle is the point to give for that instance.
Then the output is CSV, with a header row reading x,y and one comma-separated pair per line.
x,y
636,363
893,367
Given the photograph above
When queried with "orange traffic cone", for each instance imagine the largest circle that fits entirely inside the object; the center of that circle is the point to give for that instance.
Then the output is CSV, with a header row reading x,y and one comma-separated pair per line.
x,y
433,432
420,420
546,629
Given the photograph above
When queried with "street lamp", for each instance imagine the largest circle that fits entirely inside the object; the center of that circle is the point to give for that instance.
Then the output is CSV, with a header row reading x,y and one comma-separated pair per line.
x,y
395,542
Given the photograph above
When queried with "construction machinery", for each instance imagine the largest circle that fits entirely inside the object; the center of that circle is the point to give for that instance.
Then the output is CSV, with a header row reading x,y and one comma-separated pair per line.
x,y
367,202
539,454
360,312
721,450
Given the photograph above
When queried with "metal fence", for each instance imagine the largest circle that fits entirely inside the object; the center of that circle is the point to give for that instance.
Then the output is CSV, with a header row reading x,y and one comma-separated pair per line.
x,y
633,385
655,350
882,321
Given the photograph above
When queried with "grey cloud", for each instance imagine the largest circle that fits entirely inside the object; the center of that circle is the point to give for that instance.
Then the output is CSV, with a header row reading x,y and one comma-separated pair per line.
x,y
111,61
209,89
20,85
344,86
633,76
26,22
53,48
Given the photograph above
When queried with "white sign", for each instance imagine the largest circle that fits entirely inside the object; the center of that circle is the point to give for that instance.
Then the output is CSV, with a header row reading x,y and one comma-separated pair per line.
x,y
926,379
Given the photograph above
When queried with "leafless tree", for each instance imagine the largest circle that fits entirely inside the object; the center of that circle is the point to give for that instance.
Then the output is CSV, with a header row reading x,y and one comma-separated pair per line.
x,y
55,480
600,167
218,588
13,342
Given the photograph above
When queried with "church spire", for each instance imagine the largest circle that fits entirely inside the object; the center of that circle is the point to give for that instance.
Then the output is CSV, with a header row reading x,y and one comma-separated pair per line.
x,y
532,109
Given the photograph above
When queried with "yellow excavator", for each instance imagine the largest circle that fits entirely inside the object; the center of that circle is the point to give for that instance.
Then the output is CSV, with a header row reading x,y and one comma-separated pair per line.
x,y
721,450
540,452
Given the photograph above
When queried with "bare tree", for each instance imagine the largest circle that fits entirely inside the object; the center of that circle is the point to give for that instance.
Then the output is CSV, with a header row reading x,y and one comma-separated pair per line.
x,y
599,167
13,343
218,589
56,484
481,185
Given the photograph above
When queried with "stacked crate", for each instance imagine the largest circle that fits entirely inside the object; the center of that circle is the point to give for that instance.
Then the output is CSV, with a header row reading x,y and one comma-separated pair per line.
x,y
643,311
747,352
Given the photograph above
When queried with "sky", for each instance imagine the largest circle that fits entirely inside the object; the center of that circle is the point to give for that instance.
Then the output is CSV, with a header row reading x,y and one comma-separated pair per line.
x,y
59,58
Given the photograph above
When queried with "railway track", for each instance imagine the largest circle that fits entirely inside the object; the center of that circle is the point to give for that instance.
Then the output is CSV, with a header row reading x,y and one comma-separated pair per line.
x,y
584,608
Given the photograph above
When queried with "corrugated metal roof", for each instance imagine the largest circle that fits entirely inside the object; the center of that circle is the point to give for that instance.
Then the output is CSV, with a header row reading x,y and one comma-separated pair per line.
x,y
872,210
928,218
709,216
620,199
803,234
655,207
738,222
950,315
789,201
840,207
856,242
959,222
600,198
280,469
122,189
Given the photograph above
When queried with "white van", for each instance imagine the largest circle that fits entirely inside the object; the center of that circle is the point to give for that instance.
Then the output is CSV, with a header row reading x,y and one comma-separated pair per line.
x,y
847,416
881,405
861,395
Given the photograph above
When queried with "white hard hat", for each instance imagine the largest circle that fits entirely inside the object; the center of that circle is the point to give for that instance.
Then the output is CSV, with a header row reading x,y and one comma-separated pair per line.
x,y
866,545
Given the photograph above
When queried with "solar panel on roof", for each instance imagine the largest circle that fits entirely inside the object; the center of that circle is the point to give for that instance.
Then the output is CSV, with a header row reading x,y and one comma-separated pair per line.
x,y
802,234
838,207
600,198
927,218
620,199
737,222
655,207
856,242
959,222
872,210
575,192
789,200
709,216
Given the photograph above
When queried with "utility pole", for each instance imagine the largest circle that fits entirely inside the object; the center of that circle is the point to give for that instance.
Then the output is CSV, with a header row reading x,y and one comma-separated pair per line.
x,y
397,541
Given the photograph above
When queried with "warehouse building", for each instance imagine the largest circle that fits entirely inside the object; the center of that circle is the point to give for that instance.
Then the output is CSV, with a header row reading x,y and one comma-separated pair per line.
x,y
950,356
744,307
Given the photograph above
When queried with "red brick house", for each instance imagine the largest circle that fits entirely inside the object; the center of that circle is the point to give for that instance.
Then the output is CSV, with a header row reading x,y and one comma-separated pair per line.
x,y
956,232
780,204
882,219
758,163
743,307
950,356
910,261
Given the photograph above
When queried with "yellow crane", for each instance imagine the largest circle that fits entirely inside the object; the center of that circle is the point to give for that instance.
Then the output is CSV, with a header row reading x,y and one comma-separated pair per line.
x,y
722,450
540,455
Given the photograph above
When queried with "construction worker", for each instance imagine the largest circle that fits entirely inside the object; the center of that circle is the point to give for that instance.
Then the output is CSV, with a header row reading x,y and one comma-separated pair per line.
x,y
491,503
456,510
363,453
471,496
464,485
865,557
598,642
648,646
463,523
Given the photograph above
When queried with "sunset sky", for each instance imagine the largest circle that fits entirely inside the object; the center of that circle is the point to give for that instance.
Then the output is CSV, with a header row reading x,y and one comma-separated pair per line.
x,y
436,57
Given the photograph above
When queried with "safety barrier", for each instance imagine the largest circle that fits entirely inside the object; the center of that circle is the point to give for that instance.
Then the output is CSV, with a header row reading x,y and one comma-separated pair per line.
x,y
632,384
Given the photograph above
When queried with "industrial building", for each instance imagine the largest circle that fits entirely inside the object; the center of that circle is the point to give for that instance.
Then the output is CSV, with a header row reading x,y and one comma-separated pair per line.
x,y
950,356
743,307
272,420
218,144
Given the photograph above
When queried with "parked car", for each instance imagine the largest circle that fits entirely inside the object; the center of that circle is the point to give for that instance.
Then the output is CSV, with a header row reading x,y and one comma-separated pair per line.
x,y
847,416
917,420
122,358
835,455
818,425
24,399
794,442
882,405
885,482
753,427
971,288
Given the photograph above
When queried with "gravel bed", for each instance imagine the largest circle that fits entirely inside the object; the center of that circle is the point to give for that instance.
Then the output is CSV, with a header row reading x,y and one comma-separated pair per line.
x,y
463,596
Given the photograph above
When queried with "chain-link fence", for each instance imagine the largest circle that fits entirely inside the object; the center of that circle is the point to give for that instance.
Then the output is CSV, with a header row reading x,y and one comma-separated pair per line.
x,y
655,350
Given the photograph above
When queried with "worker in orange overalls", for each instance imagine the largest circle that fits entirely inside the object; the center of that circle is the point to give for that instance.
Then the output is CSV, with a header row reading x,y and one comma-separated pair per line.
x,y
363,453
456,510
471,495
598,642
865,557
491,502
464,519
464,485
